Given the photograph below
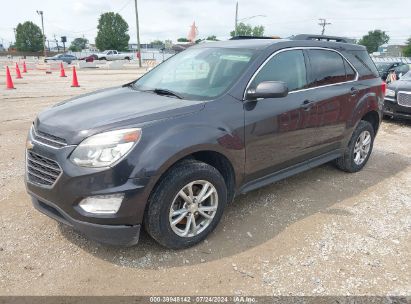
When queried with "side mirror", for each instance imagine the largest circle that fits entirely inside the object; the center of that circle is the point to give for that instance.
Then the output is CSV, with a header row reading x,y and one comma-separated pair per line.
x,y
268,89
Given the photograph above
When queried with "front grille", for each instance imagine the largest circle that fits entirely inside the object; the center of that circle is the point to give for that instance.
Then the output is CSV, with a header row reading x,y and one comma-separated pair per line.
x,y
404,99
48,139
42,170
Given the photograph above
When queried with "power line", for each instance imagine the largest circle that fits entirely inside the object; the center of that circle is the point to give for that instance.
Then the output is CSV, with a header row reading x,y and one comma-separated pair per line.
x,y
323,23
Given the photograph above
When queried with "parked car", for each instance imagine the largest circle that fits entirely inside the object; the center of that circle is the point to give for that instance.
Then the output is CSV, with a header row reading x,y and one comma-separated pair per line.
x,y
397,101
62,57
170,150
113,55
90,58
384,68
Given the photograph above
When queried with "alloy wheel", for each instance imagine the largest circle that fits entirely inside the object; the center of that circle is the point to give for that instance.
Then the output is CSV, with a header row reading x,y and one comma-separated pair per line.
x,y
194,208
362,147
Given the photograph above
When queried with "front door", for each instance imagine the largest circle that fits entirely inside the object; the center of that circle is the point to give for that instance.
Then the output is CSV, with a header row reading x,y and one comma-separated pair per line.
x,y
280,132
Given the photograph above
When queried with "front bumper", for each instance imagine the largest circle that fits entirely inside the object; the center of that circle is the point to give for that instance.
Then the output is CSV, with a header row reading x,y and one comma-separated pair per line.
x,y
61,200
120,235
392,108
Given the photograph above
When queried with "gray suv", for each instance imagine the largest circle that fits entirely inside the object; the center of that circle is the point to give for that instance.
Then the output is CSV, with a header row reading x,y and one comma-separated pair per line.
x,y
170,150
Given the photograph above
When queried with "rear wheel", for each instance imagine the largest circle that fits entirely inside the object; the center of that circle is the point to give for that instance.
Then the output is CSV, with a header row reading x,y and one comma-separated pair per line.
x,y
186,205
359,148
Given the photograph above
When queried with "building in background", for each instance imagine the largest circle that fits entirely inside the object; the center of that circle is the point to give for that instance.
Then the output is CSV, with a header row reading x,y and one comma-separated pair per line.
x,y
390,50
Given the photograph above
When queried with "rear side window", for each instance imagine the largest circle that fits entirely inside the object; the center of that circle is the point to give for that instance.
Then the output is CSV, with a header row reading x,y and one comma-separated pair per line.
x,y
363,63
327,68
288,66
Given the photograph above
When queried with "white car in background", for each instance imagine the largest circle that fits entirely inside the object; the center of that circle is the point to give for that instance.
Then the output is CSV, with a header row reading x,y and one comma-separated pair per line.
x,y
113,55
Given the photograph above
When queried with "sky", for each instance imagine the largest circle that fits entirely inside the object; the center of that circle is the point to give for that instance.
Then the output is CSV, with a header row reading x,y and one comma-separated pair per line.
x,y
171,19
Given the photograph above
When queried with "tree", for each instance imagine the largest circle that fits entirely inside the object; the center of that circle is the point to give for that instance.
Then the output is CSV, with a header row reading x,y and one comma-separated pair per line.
x,y
247,30
112,32
183,40
28,37
158,44
212,38
78,44
258,31
373,40
407,49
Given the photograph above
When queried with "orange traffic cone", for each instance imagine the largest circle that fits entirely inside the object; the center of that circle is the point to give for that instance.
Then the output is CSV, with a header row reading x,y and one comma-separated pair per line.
x,y
18,72
24,67
9,81
62,72
74,83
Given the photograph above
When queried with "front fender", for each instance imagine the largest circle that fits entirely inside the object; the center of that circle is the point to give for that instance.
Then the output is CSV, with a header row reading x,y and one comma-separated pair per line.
x,y
166,142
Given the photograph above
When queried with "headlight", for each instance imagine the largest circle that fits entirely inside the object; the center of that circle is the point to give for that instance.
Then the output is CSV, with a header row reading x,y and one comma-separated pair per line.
x,y
390,93
104,149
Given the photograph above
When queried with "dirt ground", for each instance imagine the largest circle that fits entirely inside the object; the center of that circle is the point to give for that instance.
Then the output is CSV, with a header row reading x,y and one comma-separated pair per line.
x,y
322,232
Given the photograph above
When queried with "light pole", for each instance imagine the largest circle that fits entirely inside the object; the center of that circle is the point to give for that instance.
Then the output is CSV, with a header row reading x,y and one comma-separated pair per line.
x,y
44,37
236,19
243,19
138,36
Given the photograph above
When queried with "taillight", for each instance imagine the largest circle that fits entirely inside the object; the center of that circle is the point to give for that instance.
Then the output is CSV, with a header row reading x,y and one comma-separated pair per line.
x,y
383,87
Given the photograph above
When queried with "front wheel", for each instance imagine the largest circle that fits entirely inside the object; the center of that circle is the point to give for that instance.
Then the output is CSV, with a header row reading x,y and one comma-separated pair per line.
x,y
359,148
186,205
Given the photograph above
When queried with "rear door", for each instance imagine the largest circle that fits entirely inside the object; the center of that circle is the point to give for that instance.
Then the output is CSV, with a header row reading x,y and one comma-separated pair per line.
x,y
332,85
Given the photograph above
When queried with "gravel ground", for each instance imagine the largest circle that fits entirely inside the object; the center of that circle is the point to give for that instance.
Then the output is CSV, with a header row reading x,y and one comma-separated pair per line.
x,y
322,232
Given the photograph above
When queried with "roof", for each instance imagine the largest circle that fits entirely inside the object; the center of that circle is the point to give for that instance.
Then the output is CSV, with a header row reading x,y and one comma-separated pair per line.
x,y
242,44
260,44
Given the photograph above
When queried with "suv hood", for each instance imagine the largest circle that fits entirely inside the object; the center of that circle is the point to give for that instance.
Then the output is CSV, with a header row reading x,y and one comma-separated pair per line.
x,y
400,85
95,112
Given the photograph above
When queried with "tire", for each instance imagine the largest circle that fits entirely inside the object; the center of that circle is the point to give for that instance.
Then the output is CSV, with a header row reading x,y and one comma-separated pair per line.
x,y
127,58
166,195
103,58
348,162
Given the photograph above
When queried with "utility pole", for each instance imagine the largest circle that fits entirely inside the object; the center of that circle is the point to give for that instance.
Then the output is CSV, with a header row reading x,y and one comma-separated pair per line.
x,y
15,35
138,36
44,37
57,44
236,19
323,23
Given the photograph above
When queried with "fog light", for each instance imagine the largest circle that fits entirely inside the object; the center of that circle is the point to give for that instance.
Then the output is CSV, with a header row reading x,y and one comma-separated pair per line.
x,y
102,204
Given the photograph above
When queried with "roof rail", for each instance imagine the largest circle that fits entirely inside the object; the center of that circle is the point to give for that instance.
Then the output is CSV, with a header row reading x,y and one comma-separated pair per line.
x,y
319,38
252,37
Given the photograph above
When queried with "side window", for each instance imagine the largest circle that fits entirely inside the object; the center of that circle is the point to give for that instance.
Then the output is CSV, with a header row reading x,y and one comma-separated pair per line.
x,y
363,63
288,66
327,67
349,71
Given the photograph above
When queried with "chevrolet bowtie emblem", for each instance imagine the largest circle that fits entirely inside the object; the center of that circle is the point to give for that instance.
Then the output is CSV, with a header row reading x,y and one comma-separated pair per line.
x,y
29,145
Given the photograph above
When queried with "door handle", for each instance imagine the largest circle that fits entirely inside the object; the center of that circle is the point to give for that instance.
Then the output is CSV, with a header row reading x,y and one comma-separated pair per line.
x,y
307,104
354,91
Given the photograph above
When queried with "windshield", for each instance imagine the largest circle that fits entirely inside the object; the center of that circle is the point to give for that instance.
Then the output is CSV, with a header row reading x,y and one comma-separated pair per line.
x,y
382,66
197,74
406,76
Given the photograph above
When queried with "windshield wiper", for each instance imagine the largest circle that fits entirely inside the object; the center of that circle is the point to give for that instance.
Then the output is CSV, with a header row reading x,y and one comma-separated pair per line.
x,y
167,92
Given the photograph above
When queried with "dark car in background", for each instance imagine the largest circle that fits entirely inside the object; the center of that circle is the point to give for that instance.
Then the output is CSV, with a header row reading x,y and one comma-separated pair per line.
x,y
170,150
62,57
384,68
397,101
